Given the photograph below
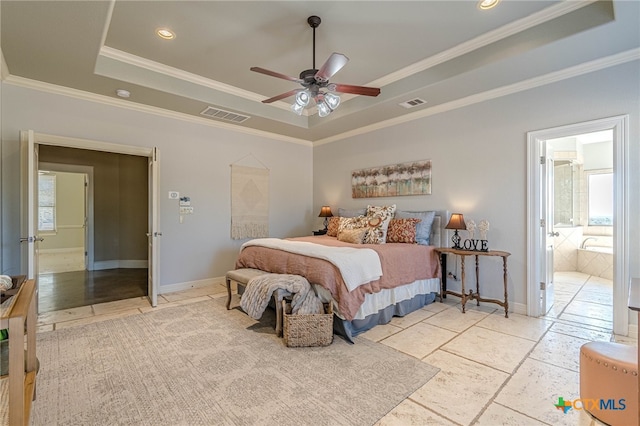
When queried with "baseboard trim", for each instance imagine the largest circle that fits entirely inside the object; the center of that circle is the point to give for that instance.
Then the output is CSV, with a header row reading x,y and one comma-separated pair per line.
x,y
190,284
116,264
61,250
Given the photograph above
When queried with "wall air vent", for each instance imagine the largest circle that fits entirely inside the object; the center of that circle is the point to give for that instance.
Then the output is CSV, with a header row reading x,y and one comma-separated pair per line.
x,y
221,114
412,103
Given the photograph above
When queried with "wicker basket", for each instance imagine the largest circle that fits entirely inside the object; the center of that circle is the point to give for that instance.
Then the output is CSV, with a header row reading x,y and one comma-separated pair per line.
x,y
307,330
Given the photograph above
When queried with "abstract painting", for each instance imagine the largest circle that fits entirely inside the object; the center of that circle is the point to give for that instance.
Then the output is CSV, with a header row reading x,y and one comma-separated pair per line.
x,y
412,178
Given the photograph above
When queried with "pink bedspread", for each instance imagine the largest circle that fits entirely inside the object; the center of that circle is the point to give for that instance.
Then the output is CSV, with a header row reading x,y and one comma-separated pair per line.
x,y
401,264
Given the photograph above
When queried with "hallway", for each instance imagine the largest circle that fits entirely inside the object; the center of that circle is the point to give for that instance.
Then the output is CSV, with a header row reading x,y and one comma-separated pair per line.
x,y
66,290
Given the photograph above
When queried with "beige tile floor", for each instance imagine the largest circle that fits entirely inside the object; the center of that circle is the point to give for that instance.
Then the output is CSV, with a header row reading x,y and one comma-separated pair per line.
x,y
493,370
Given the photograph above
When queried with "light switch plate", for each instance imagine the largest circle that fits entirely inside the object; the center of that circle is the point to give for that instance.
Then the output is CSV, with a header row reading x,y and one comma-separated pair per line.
x,y
174,195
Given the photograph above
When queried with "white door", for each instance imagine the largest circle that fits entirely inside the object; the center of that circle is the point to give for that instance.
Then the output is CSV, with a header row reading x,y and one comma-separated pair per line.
x,y
29,238
154,233
546,229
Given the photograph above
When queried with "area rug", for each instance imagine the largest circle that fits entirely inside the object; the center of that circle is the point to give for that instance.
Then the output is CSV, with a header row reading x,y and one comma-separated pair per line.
x,y
199,364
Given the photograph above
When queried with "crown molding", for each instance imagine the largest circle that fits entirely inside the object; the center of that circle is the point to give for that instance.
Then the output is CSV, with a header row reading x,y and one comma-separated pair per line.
x,y
575,71
486,39
106,100
4,68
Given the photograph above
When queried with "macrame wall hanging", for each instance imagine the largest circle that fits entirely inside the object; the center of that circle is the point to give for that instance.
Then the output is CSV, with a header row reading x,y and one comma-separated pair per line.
x,y
249,201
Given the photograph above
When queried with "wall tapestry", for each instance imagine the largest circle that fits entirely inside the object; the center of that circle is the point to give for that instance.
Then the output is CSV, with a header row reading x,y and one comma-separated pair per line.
x,y
249,202
412,178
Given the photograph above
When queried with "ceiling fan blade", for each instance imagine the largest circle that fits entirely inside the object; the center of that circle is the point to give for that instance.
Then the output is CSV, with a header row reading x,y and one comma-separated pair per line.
x,y
275,74
356,90
281,96
334,64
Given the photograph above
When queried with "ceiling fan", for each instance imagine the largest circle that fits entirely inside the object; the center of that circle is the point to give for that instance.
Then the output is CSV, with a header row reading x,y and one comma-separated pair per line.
x,y
315,82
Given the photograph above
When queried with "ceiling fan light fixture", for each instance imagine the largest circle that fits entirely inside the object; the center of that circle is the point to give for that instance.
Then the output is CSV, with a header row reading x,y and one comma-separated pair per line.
x,y
303,98
332,100
297,108
323,109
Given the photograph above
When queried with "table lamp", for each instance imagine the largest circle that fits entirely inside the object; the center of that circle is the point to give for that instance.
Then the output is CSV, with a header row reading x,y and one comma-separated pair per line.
x,y
325,212
456,222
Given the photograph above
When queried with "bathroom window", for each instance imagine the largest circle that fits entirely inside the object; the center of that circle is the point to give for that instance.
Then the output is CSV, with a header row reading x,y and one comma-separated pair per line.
x,y
600,188
47,203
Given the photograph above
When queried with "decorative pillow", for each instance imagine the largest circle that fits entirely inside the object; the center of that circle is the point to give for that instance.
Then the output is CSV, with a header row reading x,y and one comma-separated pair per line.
x,y
353,236
351,212
378,229
352,223
402,231
332,227
423,229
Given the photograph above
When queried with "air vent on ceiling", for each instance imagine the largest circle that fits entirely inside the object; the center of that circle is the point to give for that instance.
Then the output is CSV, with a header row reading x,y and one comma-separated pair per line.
x,y
412,103
224,115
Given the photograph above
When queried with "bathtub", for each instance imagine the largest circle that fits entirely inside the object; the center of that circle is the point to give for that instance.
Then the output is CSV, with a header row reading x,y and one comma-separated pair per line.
x,y
599,249
597,261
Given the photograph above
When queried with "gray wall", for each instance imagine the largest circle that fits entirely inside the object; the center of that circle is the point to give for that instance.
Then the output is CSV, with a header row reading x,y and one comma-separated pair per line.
x,y
479,160
195,160
120,194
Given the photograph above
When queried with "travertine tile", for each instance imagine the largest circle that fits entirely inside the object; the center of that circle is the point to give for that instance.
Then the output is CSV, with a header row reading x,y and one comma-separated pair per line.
x,y
461,388
590,310
66,315
438,306
560,350
177,303
412,318
419,340
497,414
626,340
194,292
535,388
491,348
570,277
516,325
408,413
380,332
97,318
121,305
581,331
595,322
455,320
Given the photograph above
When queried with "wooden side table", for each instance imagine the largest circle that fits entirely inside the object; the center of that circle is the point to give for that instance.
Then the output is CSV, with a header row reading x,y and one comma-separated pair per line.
x,y
476,295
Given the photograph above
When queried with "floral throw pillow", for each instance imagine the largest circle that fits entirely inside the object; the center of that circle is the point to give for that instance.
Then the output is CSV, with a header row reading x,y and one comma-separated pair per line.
x,y
378,228
332,227
402,231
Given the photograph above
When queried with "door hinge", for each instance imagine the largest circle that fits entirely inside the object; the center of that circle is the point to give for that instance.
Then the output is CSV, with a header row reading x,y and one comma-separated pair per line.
x,y
543,159
543,223
543,286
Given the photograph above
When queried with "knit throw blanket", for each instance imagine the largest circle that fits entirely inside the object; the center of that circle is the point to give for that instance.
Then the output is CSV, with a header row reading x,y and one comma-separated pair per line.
x,y
259,290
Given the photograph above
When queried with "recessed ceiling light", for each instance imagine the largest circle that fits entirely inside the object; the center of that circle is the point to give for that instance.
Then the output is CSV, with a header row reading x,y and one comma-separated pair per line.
x,y
165,33
487,4
123,93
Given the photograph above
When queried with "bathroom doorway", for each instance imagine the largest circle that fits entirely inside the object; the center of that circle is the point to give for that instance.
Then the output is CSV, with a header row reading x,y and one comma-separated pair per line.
x,y
607,225
583,213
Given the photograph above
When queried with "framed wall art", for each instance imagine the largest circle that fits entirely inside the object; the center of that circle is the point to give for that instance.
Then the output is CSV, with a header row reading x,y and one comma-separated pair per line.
x,y
411,178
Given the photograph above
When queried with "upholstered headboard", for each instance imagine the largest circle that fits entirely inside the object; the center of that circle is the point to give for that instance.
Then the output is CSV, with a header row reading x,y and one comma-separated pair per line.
x,y
439,235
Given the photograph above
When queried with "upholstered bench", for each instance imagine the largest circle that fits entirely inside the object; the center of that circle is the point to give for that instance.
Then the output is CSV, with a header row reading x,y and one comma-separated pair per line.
x,y
609,376
241,277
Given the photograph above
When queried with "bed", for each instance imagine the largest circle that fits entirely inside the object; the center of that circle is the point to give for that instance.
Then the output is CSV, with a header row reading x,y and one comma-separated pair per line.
x,y
409,280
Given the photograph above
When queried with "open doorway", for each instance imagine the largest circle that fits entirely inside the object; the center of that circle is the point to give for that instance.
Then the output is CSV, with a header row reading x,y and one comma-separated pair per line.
x,y
577,200
72,272
583,217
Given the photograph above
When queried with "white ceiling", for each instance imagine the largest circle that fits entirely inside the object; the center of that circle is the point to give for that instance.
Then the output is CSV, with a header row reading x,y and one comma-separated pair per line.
x,y
448,53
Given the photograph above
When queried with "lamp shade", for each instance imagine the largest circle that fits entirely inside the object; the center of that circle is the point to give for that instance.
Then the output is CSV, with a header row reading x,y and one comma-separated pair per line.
x,y
325,211
456,221
323,109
